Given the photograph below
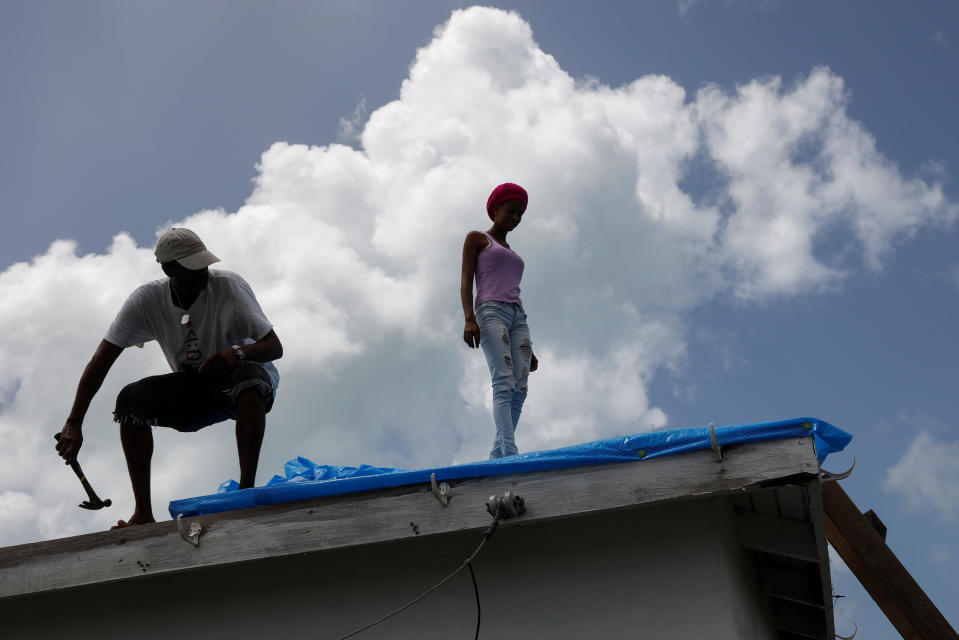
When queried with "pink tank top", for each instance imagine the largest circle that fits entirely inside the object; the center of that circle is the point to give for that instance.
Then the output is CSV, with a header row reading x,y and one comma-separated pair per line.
x,y
498,273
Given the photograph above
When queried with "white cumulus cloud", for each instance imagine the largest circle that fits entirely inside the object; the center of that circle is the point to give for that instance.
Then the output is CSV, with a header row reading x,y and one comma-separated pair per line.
x,y
354,254
927,476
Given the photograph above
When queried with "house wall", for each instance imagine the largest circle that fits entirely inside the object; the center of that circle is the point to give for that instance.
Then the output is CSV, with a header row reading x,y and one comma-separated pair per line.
x,y
738,566
664,571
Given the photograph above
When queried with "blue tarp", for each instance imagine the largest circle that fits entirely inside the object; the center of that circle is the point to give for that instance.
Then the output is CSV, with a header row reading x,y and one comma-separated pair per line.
x,y
304,479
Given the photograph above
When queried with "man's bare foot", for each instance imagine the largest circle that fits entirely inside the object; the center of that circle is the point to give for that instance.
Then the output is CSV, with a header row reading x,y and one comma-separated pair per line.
x,y
132,522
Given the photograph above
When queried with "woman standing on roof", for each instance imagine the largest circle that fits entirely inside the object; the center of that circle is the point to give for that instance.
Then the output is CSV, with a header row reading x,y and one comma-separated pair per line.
x,y
499,321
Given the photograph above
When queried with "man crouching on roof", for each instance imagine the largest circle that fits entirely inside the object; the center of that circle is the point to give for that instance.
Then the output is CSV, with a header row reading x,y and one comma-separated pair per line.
x,y
220,347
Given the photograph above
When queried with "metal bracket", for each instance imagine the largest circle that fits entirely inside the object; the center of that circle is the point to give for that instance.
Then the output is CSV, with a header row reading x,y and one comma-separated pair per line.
x,y
196,530
712,437
828,476
441,491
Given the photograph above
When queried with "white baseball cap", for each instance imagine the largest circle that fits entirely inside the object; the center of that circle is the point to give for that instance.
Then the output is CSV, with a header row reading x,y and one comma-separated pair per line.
x,y
185,247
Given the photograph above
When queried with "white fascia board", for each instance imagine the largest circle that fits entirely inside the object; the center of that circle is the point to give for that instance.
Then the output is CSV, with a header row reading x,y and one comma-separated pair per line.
x,y
388,515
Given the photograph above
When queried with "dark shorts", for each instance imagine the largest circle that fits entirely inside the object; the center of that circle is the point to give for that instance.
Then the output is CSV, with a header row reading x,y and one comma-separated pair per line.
x,y
189,401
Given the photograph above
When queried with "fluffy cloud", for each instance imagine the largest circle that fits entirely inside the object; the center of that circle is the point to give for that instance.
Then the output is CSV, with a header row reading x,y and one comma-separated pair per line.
x,y
927,476
797,168
645,204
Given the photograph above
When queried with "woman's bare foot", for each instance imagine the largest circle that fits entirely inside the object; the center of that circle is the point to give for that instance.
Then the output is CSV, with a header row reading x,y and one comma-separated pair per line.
x,y
132,522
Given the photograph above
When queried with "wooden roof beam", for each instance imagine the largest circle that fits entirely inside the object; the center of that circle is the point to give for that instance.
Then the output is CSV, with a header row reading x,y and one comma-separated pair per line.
x,y
879,571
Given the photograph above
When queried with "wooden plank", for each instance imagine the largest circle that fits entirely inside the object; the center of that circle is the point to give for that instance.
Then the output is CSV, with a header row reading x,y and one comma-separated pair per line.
x,y
806,622
794,584
790,538
879,571
813,495
375,517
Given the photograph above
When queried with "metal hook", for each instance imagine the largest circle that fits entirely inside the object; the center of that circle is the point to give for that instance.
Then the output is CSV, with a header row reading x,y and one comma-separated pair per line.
x,y
196,530
441,491
828,476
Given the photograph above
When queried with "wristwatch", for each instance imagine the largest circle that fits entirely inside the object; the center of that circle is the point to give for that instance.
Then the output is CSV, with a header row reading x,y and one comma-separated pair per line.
x,y
239,353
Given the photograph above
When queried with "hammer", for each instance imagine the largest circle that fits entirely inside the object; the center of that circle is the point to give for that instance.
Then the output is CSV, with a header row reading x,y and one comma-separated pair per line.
x,y
94,503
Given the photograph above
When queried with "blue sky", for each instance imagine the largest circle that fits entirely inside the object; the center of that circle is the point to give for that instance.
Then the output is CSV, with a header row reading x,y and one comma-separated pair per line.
x,y
126,117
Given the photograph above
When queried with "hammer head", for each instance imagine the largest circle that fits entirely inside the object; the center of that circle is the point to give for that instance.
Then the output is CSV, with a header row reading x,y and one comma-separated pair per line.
x,y
95,505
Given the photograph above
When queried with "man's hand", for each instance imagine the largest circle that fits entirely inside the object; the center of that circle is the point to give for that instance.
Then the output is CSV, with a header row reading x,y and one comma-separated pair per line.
x,y
220,362
71,439
534,363
471,334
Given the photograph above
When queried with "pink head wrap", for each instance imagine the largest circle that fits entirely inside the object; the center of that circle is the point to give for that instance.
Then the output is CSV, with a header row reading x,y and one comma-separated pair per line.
x,y
504,192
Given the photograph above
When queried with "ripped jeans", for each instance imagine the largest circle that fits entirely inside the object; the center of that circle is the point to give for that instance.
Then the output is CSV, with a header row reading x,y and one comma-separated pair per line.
x,y
504,336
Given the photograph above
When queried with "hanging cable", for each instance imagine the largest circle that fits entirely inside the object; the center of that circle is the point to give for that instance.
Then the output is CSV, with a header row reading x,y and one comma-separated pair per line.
x,y
479,611
467,564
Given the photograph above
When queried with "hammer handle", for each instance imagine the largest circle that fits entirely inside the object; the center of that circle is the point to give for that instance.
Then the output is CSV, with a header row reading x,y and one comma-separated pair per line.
x,y
83,479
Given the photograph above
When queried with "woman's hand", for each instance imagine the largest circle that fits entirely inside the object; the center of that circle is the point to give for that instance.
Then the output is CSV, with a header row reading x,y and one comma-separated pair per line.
x,y
471,334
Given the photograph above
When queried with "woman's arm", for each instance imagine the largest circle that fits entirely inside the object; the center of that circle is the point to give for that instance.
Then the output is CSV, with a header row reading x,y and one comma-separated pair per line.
x,y
475,242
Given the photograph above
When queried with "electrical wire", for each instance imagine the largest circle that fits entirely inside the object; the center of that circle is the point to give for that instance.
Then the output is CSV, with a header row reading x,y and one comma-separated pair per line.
x,y
479,611
467,564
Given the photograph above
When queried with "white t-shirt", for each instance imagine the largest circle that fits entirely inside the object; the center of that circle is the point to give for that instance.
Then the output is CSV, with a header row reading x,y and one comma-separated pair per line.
x,y
225,313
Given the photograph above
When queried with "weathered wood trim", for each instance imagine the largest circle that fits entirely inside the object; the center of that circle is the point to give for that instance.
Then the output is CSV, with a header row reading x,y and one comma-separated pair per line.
x,y
879,571
381,516
813,493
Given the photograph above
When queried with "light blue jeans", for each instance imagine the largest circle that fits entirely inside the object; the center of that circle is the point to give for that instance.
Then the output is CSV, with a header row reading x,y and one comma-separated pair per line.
x,y
504,336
